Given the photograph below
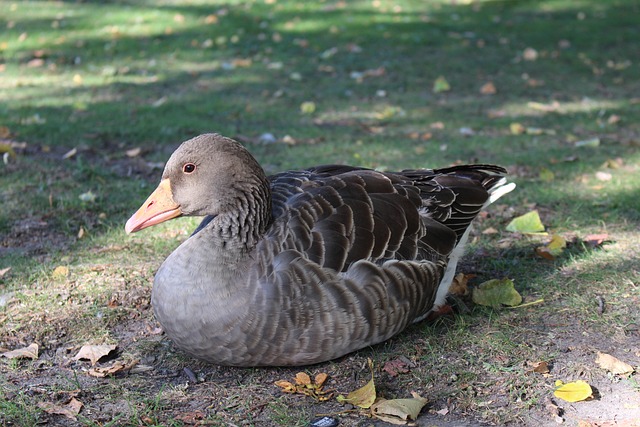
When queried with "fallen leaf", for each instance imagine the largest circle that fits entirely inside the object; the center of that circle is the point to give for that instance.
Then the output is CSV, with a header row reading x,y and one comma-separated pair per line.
x,y
459,284
488,89
70,153
191,418
441,85
613,364
443,411
573,392
613,119
30,352
88,197
320,379
490,230
118,366
364,396
4,271
495,292
603,176
286,386
395,367
553,249
303,379
530,54
81,232
304,385
528,223
591,142
516,128
70,410
540,367
94,353
7,149
399,411
546,175
61,271
308,107
595,240
134,152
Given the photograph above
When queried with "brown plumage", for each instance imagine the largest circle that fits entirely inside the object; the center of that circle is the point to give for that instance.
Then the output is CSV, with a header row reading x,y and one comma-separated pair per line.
x,y
305,266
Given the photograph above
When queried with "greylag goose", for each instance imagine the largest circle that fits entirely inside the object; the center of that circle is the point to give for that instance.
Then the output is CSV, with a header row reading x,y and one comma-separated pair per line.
x,y
305,266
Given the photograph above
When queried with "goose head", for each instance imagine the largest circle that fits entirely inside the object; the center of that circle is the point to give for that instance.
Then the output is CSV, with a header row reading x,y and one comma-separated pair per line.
x,y
207,175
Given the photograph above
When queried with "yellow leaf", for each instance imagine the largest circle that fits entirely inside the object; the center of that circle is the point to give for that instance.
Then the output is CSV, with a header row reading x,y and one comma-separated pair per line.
x,y
308,107
516,128
61,271
573,392
364,396
286,386
528,223
553,249
441,85
546,175
7,148
494,293
399,411
613,365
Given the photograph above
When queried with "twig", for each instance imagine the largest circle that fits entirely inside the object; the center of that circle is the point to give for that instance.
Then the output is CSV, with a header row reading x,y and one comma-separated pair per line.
x,y
539,301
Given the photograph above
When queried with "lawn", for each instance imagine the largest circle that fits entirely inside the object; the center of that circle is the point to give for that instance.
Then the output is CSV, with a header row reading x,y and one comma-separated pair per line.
x,y
95,96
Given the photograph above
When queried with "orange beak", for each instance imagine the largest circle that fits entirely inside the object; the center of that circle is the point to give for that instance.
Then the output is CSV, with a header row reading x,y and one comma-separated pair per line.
x,y
159,207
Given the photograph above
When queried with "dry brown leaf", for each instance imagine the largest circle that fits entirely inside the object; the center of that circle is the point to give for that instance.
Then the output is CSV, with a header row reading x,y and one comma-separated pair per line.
x,y
30,352
320,379
116,367
488,89
69,410
192,418
303,385
613,364
303,379
459,284
540,367
395,367
4,271
286,386
94,352
595,240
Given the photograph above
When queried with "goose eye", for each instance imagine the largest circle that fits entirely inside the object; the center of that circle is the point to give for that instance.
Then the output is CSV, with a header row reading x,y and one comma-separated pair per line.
x,y
188,168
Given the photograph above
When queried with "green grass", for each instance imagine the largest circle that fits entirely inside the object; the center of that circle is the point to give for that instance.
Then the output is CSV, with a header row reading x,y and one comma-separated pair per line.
x,y
107,77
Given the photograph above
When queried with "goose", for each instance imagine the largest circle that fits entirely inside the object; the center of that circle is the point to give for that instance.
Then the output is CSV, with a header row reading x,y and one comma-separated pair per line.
x,y
309,265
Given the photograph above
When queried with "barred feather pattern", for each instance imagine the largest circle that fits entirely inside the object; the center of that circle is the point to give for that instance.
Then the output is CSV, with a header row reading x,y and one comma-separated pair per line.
x,y
348,258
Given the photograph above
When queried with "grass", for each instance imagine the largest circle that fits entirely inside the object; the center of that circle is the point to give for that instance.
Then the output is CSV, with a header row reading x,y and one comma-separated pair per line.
x,y
107,77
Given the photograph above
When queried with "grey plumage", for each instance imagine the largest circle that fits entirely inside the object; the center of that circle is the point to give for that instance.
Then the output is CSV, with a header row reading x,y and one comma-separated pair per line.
x,y
306,266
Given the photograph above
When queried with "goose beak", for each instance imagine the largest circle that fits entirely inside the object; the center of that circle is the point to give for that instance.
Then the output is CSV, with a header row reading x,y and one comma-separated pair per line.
x,y
159,207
